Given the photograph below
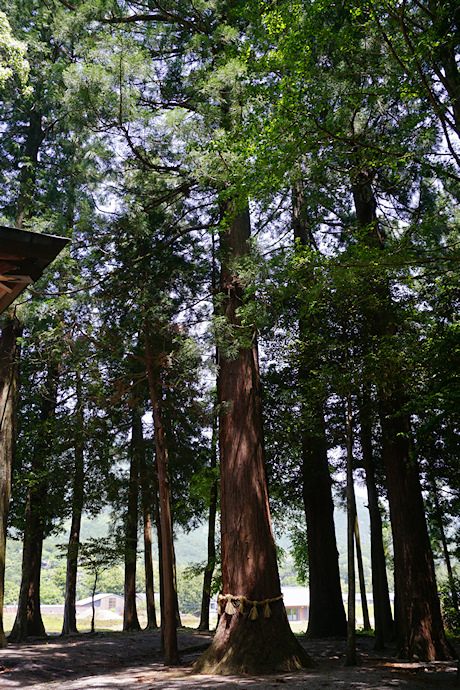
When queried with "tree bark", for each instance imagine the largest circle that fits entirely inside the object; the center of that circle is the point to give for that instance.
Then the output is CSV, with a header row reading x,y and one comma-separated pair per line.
x,y
130,619
28,621
419,629
249,567
169,631
445,549
209,570
69,625
362,582
327,613
147,502
9,397
384,630
351,518
160,550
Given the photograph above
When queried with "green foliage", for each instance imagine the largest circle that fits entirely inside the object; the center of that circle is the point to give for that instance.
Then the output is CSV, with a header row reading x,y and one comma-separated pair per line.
x,y
450,613
13,60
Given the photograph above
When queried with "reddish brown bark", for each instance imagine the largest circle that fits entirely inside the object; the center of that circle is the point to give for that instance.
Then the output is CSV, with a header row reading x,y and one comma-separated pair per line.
x,y
383,626
327,613
419,629
69,625
249,566
168,617
9,396
28,621
147,502
130,619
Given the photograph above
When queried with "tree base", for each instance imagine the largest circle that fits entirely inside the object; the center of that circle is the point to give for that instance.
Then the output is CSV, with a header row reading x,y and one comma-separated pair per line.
x,y
261,646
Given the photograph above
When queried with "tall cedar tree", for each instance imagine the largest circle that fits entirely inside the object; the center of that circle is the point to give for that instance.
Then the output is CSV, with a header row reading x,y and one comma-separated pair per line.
x,y
9,396
326,614
249,565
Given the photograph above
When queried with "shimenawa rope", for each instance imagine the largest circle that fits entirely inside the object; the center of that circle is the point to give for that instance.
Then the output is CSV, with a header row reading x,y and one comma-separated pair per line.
x,y
236,604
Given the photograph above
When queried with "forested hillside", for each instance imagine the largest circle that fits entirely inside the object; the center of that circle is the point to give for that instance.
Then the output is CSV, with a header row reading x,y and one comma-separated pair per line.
x,y
257,308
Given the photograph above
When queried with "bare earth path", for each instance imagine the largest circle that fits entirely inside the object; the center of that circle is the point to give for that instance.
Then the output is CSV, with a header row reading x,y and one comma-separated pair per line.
x,y
119,661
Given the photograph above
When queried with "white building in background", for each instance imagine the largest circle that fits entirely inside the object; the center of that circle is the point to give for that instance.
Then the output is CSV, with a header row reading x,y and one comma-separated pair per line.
x,y
102,602
296,602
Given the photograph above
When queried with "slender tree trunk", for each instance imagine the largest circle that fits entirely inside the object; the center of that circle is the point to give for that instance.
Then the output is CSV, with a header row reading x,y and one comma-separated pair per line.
x,y
351,519
130,619
147,502
445,549
362,582
34,140
327,613
384,631
28,620
243,643
160,550
9,397
419,629
169,632
178,620
93,608
69,625
209,570
211,560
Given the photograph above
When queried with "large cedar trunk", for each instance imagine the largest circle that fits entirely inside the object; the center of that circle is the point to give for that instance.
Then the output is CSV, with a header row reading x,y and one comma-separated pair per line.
x,y
130,619
69,625
327,613
382,608
147,502
28,621
249,567
169,601
9,395
419,628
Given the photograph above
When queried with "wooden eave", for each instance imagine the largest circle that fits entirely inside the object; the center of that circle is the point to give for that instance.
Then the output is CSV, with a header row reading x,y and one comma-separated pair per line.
x,y
24,256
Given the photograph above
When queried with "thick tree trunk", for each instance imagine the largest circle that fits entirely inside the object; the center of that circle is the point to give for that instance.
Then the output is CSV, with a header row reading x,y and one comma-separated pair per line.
x,y
147,502
384,631
419,628
9,396
243,643
69,625
130,619
168,612
28,621
327,613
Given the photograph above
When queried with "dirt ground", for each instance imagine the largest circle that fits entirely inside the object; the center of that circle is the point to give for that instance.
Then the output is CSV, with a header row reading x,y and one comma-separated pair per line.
x,y
119,661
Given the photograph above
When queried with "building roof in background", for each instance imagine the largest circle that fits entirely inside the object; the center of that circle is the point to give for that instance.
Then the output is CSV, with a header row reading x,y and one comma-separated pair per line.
x,y
24,256
296,596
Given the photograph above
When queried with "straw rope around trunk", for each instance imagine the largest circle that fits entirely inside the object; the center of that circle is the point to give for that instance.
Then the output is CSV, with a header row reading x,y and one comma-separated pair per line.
x,y
237,604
